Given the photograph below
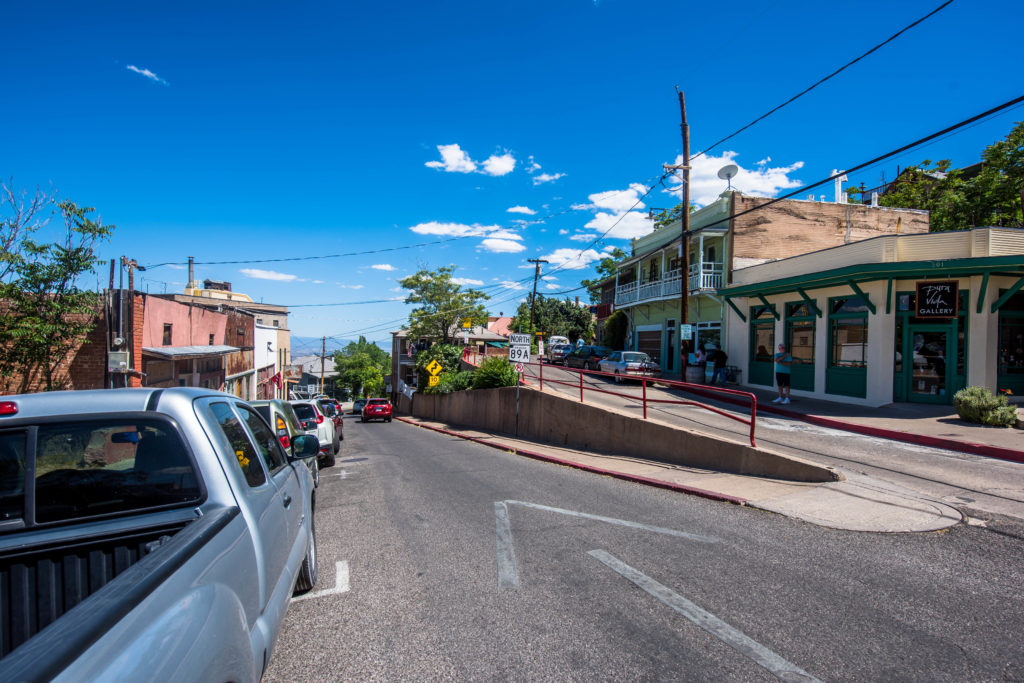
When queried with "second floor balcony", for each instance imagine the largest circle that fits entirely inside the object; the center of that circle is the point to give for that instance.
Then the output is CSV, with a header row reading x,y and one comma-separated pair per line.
x,y
706,275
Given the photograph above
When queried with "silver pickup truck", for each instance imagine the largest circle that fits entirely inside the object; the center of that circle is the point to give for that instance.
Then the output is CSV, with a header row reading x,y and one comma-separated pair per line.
x,y
147,534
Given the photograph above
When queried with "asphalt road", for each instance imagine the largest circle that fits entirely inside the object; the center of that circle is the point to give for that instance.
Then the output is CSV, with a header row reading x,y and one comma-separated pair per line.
x,y
980,486
461,562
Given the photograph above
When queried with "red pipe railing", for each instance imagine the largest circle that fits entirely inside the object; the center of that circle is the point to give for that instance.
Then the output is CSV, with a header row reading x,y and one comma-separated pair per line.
x,y
751,422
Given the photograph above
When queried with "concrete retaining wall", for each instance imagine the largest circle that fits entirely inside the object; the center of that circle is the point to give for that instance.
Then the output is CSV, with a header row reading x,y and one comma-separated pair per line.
x,y
560,421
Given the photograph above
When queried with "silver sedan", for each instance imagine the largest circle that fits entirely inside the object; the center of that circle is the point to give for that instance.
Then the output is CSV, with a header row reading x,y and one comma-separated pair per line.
x,y
630,365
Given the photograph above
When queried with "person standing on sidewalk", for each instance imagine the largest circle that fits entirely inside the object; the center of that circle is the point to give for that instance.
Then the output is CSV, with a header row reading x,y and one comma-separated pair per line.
x,y
783,359
700,360
719,358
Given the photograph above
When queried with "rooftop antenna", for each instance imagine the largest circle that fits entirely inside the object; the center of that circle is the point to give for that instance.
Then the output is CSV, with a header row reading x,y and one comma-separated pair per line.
x,y
729,172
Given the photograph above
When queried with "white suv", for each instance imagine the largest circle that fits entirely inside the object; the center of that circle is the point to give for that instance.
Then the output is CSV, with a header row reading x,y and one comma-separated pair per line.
x,y
314,422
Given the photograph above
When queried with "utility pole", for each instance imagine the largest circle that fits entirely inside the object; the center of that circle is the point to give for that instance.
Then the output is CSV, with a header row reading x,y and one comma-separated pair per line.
x,y
684,308
323,355
536,275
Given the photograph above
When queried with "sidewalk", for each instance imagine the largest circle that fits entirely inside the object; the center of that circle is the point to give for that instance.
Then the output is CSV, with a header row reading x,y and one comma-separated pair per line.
x,y
925,424
857,503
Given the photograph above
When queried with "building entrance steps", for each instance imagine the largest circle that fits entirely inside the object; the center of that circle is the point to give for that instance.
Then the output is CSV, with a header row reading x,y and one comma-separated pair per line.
x,y
857,504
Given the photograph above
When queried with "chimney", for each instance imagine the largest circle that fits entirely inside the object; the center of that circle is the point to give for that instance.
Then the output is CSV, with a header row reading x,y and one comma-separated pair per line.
x,y
191,273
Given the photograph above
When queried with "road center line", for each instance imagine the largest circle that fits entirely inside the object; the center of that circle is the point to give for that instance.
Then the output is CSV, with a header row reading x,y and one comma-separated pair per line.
x,y
340,584
508,577
612,520
759,654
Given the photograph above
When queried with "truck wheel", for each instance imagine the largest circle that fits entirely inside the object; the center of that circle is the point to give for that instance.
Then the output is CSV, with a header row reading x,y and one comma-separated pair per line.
x,y
308,571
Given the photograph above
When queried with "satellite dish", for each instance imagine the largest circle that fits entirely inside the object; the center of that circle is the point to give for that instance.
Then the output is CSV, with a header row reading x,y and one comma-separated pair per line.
x,y
729,172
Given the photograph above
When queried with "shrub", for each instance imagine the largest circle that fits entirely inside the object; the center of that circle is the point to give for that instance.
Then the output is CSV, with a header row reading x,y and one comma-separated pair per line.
x,y
977,404
448,355
447,382
495,371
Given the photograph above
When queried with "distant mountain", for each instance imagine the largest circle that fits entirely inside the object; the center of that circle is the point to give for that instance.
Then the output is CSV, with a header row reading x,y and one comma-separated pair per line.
x,y
308,346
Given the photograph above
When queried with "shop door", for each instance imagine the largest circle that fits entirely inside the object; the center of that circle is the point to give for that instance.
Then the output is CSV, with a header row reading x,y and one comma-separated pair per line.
x,y
762,352
649,343
930,369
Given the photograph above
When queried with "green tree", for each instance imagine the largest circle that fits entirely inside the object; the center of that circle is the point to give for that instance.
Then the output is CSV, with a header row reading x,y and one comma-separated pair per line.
x,y
955,202
442,304
605,269
361,367
555,316
615,327
46,316
448,355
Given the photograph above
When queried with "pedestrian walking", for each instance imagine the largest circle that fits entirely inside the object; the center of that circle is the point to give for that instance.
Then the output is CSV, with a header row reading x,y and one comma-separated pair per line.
x,y
700,360
719,358
783,359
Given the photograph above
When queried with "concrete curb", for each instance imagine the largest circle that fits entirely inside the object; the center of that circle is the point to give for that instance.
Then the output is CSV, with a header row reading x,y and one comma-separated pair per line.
x,y
920,439
689,490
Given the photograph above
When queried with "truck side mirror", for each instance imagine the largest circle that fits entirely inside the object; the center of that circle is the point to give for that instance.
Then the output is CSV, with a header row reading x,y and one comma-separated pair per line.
x,y
305,446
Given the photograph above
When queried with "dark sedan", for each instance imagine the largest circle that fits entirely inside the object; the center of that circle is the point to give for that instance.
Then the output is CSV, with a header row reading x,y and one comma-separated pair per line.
x,y
586,357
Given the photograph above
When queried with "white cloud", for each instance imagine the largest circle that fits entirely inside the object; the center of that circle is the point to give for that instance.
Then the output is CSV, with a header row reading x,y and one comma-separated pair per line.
x,y
548,277
574,259
761,181
318,282
148,74
509,284
547,178
521,209
396,289
383,266
396,298
502,246
583,236
454,229
616,201
620,226
267,275
175,266
499,165
563,231
341,286
453,160
466,281
506,235
531,165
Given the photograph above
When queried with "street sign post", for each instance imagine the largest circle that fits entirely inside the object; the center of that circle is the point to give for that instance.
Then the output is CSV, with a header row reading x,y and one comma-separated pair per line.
x,y
519,339
434,368
433,380
519,354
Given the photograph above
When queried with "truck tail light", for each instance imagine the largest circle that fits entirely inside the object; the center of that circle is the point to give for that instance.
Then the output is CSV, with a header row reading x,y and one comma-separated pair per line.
x,y
319,419
285,441
8,408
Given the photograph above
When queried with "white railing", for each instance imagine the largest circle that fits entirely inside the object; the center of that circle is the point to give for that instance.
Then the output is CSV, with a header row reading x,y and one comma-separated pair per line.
x,y
706,275
635,292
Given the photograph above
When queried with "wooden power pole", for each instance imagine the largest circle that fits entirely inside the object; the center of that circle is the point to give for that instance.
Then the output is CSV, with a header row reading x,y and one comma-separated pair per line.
x,y
684,295
323,355
533,300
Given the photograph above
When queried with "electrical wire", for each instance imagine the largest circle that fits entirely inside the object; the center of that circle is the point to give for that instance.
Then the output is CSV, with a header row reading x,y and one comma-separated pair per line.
x,y
820,81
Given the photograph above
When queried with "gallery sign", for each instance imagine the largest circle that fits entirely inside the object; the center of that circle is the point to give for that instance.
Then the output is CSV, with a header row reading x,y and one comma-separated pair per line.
x,y
937,299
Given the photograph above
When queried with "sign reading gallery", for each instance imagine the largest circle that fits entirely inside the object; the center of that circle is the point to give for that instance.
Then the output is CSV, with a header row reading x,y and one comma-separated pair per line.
x,y
937,299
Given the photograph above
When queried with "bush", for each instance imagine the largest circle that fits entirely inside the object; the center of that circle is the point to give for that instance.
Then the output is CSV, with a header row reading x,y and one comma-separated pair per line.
x,y
448,355
495,371
447,382
977,404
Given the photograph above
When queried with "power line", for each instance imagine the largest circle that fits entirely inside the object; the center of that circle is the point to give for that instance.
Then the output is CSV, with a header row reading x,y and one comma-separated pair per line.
x,y
819,82
866,164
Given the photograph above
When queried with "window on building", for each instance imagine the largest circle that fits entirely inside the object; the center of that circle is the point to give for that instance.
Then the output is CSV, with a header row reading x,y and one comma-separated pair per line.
x,y
848,332
277,323
167,334
211,340
259,321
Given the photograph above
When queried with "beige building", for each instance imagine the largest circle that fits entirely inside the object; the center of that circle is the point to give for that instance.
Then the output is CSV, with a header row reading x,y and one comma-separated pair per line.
x,y
893,318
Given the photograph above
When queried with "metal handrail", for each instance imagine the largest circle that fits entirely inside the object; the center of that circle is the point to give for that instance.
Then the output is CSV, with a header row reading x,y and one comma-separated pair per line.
x,y
700,388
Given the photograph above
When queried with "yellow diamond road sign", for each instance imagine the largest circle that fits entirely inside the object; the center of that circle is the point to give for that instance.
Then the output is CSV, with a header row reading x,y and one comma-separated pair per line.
x,y
467,323
434,380
434,367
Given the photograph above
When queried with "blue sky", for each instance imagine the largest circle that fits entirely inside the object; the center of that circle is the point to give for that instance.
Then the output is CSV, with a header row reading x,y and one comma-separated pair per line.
x,y
246,131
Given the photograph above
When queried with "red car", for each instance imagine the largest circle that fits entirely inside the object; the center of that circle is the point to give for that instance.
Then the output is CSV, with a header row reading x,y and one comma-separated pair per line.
x,y
376,409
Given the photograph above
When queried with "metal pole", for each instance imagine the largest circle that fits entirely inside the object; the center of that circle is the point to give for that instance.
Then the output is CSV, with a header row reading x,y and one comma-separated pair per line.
x,y
533,299
645,398
517,408
323,354
684,304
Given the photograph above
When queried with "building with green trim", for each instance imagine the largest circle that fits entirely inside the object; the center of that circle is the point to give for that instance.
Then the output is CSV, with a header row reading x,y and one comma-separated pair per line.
x,y
893,318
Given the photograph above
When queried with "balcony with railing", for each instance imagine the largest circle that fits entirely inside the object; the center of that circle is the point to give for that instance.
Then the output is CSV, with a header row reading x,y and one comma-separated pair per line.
x,y
638,292
706,275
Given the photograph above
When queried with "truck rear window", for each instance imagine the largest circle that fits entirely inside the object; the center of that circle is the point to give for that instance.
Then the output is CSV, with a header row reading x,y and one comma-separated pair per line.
x,y
96,467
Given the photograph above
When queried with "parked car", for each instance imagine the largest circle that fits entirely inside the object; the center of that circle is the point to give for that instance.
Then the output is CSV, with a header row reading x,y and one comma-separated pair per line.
x,y
630,364
586,357
332,409
376,409
556,339
148,534
314,422
357,406
281,417
556,353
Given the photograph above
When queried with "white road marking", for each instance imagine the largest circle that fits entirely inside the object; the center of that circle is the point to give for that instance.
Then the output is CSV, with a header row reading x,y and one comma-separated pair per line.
x,y
759,654
508,577
340,584
619,522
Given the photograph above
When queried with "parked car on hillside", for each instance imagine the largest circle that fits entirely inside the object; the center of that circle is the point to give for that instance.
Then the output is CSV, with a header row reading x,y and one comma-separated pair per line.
x,y
556,353
556,339
629,365
314,422
147,535
357,406
586,357
281,417
332,409
376,409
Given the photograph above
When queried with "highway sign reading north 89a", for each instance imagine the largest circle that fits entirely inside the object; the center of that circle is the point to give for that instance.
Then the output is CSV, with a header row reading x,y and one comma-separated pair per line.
x,y
519,354
519,339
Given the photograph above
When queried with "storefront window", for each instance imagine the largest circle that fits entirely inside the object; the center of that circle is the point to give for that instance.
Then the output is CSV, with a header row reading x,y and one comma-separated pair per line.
x,y
849,342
